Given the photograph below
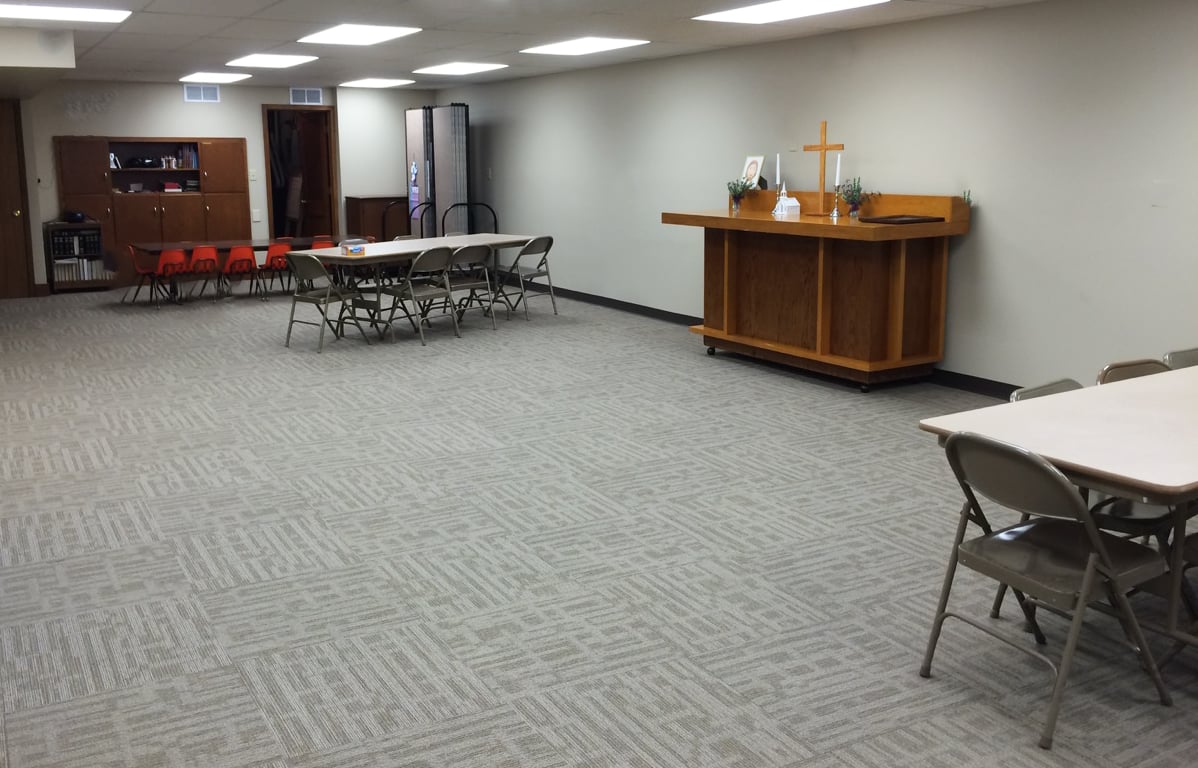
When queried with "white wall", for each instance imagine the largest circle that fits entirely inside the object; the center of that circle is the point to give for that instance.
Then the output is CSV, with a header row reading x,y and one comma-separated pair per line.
x,y
370,133
1072,121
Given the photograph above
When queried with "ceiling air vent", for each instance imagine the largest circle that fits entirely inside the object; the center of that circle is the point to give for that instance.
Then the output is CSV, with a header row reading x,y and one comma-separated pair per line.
x,y
206,93
306,96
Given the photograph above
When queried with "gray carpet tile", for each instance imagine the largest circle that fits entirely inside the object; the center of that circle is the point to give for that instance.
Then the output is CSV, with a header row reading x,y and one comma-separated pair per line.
x,y
332,695
72,585
668,714
493,738
55,660
573,541
203,719
304,610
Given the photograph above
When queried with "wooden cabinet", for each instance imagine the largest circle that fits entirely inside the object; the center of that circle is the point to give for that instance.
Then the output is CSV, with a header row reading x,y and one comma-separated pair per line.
x,y
364,216
130,203
82,165
226,215
157,217
223,165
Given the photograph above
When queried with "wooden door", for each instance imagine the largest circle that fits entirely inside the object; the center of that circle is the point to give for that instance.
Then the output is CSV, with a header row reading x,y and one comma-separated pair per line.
x,y
315,154
82,165
182,216
136,217
228,216
223,166
16,274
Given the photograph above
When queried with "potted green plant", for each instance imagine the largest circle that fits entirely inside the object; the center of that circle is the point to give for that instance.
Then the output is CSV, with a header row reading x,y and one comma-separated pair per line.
x,y
852,193
737,189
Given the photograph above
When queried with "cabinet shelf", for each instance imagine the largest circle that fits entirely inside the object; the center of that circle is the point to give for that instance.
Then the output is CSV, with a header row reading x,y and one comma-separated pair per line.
x,y
155,170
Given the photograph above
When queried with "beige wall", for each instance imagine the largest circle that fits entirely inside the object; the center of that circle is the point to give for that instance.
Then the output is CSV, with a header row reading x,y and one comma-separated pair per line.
x,y
370,133
1073,122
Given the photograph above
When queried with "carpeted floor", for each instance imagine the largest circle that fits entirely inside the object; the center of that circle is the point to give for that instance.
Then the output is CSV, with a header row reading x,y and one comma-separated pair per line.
x,y
576,541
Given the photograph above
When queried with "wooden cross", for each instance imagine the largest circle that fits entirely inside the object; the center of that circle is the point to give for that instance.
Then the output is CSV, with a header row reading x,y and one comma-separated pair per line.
x,y
822,148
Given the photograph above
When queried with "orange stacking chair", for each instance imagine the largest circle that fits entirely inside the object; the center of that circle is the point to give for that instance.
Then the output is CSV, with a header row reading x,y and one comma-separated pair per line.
x,y
204,265
275,266
241,265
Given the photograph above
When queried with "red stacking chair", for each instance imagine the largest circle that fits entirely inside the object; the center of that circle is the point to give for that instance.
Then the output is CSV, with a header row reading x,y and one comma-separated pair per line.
x,y
172,263
205,265
275,266
145,276
241,265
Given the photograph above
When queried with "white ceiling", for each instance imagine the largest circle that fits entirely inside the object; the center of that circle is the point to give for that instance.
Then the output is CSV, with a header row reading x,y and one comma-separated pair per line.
x,y
166,39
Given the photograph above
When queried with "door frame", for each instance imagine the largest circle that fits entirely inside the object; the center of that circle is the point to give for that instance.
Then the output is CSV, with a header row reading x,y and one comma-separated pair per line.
x,y
334,162
32,287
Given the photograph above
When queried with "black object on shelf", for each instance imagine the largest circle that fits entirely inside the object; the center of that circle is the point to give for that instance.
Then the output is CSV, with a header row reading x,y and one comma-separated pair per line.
x,y
900,218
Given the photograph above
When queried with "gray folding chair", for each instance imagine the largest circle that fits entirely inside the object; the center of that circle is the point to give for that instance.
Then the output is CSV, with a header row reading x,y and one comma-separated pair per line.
x,y
469,273
1057,557
511,279
1130,369
426,284
1181,358
313,285
1027,393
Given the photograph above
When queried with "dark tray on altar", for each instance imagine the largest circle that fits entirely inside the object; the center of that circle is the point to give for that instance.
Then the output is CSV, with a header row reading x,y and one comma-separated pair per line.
x,y
900,218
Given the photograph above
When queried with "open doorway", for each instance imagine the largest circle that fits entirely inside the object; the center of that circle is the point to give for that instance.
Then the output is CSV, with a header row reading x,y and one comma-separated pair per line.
x,y
301,170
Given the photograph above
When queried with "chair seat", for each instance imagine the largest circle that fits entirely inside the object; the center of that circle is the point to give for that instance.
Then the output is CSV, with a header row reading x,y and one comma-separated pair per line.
x,y
525,272
1046,557
319,295
1131,517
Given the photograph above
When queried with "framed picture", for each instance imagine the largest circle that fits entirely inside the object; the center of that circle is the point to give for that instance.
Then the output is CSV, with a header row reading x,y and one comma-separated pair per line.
x,y
752,170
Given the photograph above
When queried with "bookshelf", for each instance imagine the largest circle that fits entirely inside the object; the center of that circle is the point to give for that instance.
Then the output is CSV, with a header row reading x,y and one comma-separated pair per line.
x,y
75,256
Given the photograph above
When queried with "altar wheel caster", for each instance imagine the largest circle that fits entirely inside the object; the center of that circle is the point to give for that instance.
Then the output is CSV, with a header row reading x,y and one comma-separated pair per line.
x,y
865,389
711,351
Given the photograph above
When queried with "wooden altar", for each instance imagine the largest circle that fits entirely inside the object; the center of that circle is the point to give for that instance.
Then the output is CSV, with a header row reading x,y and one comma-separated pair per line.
x,y
861,301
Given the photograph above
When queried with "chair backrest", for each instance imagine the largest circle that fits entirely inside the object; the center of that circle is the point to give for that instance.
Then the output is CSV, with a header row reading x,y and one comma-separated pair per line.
x,y
323,241
1130,369
1181,358
171,261
276,255
431,261
1042,390
537,248
1013,477
306,268
138,267
471,254
241,259
203,259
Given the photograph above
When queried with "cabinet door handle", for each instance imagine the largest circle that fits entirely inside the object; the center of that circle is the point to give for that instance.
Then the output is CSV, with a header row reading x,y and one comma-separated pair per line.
x,y
16,212
155,210
109,211
208,208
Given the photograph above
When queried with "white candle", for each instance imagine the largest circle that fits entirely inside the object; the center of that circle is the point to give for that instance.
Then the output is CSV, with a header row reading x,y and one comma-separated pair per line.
x,y
837,182
778,170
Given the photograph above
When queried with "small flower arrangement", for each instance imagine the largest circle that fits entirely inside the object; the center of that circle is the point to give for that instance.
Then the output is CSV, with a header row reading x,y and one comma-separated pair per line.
x,y
852,193
738,188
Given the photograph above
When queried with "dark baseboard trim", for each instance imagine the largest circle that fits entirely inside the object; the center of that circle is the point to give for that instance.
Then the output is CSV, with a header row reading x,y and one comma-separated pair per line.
x,y
962,381
974,384
626,306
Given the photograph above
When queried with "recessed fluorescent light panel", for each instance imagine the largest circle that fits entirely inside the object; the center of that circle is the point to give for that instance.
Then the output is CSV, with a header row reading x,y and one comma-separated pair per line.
x,y
785,10
358,34
375,82
584,45
213,77
58,13
459,68
269,60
